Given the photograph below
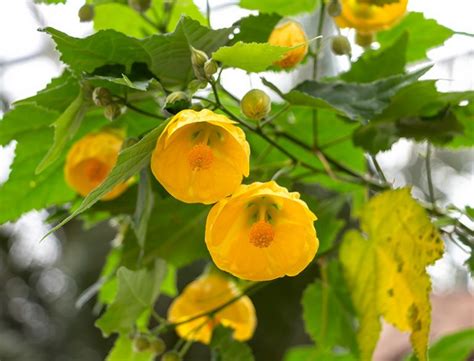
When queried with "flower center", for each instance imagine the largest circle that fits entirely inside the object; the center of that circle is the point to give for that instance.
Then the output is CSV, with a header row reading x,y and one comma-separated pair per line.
x,y
95,171
261,234
200,157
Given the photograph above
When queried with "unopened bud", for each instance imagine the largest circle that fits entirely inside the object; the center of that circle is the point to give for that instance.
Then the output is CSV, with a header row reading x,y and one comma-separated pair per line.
x,y
210,68
86,13
141,344
364,40
256,104
177,101
139,5
340,45
334,8
196,84
112,111
171,356
158,346
198,60
102,97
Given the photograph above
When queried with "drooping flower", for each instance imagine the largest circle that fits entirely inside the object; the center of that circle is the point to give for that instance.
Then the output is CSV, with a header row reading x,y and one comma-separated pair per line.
x,y
261,232
290,34
201,157
90,160
205,294
368,19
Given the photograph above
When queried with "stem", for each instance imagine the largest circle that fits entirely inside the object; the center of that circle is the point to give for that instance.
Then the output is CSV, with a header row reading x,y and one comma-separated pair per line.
x,y
378,168
208,13
428,174
276,115
149,21
141,111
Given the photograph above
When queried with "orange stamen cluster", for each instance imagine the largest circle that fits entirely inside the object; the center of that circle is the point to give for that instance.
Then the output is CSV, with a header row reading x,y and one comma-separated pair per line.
x,y
200,157
261,234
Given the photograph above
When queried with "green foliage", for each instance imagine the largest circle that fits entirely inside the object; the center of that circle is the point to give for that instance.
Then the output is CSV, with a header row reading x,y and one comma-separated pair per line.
x,y
136,293
281,7
256,28
351,99
225,348
327,312
167,56
423,34
455,346
252,57
378,64
310,353
123,351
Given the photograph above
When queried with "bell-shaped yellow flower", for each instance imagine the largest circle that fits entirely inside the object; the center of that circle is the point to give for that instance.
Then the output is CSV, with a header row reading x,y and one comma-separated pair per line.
x,y
205,294
201,157
261,232
367,18
90,160
290,34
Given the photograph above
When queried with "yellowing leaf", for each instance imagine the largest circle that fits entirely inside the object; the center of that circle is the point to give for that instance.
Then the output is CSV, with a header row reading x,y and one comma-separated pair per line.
x,y
385,269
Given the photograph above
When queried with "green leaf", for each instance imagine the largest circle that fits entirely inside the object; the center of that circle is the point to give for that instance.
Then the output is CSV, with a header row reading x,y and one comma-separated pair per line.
x,y
50,1
256,28
65,127
123,351
378,64
225,348
130,161
354,100
167,56
419,112
385,269
465,115
424,34
185,8
175,234
281,7
455,346
327,314
137,292
252,57
145,201
312,353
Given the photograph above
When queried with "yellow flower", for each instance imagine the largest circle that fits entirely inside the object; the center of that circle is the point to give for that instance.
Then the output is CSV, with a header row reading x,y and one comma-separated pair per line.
x,y
261,232
90,160
367,18
290,34
201,157
205,294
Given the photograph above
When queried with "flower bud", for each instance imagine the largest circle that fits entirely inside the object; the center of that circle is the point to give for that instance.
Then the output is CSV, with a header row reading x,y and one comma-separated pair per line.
x,y
139,5
210,68
256,104
197,107
86,13
334,8
141,343
102,97
196,84
158,346
363,39
198,60
340,45
171,356
112,111
177,101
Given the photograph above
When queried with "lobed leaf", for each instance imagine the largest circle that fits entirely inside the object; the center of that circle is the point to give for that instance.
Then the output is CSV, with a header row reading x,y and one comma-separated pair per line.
x,y
281,7
225,348
385,269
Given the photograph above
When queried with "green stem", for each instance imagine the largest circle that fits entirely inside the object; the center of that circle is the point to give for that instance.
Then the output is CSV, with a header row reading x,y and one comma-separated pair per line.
x,y
378,168
276,115
428,175
319,32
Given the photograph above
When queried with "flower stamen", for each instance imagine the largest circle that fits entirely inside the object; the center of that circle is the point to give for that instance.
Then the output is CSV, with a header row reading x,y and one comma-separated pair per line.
x,y
200,157
261,234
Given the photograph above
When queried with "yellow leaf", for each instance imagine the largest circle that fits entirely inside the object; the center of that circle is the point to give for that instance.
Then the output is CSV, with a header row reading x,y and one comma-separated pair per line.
x,y
385,268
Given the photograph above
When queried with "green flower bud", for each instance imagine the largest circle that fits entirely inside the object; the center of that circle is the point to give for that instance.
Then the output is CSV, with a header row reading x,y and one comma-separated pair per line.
x,y
197,107
177,101
86,13
158,346
256,104
171,356
210,68
112,111
141,343
364,40
334,8
198,60
102,97
139,5
196,84
340,45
